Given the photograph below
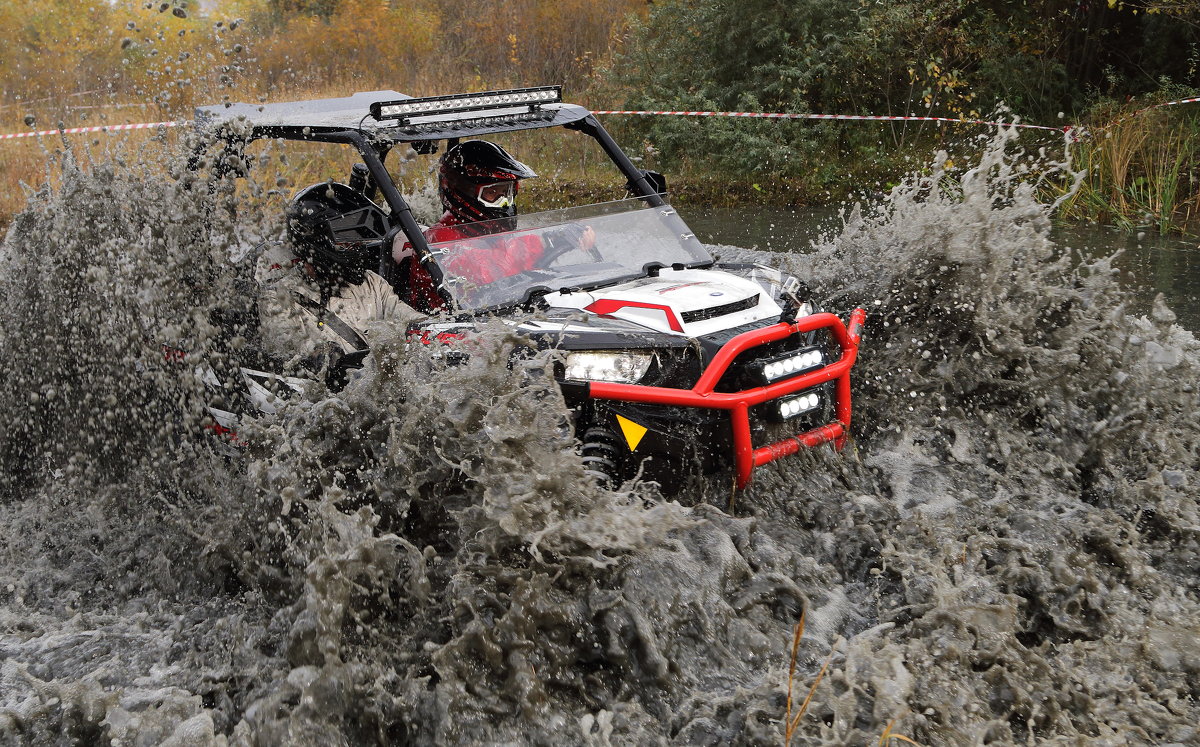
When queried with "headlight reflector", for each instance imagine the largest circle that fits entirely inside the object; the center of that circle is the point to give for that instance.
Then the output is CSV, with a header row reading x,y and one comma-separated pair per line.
x,y
599,365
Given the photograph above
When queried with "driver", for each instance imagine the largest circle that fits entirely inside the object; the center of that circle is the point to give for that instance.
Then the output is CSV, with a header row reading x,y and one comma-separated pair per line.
x,y
478,183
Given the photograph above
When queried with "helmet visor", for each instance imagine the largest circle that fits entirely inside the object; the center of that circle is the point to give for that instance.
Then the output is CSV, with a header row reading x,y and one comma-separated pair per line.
x,y
497,194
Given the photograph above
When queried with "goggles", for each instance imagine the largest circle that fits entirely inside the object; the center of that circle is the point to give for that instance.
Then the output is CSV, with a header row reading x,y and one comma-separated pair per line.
x,y
497,194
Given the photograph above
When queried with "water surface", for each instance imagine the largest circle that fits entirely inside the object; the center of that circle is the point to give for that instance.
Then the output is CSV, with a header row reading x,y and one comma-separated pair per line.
x,y
1150,263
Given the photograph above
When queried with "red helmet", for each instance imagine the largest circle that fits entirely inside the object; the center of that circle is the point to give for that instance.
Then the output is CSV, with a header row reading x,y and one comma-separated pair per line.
x,y
479,181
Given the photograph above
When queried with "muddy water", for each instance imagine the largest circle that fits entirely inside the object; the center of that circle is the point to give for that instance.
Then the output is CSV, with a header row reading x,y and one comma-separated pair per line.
x,y
1007,554
1149,263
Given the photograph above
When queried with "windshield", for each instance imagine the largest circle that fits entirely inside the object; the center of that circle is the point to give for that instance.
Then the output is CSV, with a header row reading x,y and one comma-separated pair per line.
x,y
497,263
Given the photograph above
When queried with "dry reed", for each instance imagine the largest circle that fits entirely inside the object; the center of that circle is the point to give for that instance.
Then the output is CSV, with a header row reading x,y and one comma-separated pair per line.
x,y
790,722
1141,173
887,736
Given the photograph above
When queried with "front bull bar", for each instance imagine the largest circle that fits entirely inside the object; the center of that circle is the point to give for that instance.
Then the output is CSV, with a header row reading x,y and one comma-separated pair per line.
x,y
739,403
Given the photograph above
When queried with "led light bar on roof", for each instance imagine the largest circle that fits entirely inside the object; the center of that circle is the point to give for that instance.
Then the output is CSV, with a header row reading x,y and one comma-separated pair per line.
x,y
405,109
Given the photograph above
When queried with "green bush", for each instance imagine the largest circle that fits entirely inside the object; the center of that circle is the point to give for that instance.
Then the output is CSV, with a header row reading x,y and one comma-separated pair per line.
x,y
942,58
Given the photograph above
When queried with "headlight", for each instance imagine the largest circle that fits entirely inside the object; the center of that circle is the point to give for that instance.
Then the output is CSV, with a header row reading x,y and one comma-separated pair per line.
x,y
591,365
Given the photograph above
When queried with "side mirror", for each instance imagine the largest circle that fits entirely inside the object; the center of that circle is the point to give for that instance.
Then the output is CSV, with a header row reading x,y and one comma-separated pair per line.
x,y
657,180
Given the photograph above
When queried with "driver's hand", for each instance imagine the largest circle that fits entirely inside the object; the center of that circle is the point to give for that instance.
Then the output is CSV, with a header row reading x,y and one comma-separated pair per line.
x,y
588,240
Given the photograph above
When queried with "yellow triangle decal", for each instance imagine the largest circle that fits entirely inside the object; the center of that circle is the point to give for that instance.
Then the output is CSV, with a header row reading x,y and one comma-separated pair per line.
x,y
633,432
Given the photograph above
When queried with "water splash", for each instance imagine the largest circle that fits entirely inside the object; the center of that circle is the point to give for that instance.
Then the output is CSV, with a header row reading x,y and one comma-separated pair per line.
x,y
1007,554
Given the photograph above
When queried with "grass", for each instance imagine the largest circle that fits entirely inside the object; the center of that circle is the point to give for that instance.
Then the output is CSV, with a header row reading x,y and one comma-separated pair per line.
x,y
28,164
574,169
24,162
888,736
1142,173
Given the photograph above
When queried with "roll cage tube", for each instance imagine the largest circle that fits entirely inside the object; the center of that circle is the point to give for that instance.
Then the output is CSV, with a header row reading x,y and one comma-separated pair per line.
x,y
588,125
402,213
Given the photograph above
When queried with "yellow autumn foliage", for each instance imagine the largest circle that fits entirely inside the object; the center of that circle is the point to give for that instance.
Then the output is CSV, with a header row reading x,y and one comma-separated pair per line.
x,y
74,63
66,59
362,40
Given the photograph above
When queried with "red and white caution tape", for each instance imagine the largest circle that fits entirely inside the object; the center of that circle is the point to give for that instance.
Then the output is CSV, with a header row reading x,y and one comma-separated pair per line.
x,y
78,130
1070,129
858,117
1148,108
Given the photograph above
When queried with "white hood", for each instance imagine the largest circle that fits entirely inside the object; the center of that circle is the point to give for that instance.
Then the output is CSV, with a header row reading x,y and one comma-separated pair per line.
x,y
690,303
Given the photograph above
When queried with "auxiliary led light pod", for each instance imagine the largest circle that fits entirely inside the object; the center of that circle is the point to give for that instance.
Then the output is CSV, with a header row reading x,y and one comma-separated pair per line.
x,y
405,109
793,406
791,364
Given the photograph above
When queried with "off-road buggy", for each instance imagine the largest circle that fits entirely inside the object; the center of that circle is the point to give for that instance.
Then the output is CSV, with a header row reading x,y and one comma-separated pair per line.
x,y
670,362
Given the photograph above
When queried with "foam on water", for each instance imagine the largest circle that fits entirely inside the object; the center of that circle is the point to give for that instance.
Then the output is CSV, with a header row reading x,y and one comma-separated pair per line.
x,y
1007,553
